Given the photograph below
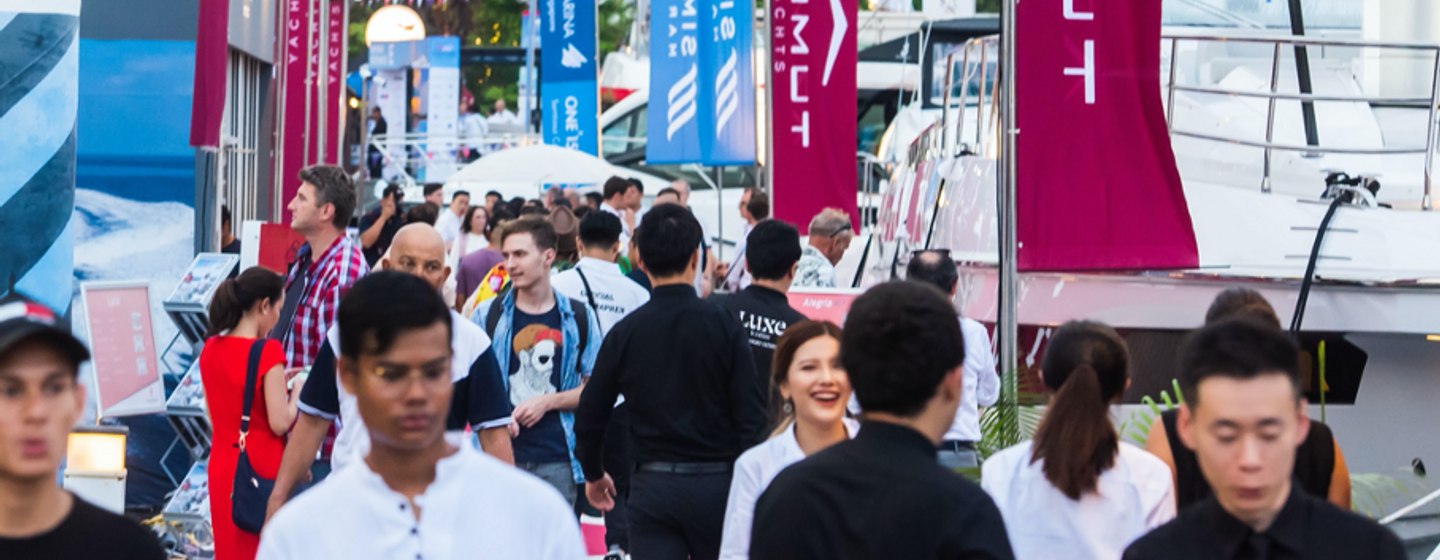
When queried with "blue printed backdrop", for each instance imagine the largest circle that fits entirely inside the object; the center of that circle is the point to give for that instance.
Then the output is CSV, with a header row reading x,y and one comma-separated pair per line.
x,y
569,89
728,126
673,133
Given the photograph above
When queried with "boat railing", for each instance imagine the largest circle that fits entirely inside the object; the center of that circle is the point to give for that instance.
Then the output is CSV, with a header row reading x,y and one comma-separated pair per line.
x,y
407,154
1273,96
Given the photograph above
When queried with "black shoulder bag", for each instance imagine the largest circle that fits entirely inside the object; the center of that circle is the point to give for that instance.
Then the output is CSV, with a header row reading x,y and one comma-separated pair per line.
x,y
250,492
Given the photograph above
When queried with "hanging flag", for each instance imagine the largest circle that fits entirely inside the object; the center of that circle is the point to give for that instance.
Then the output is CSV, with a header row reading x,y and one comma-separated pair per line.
x,y
569,78
673,130
1097,186
293,146
211,69
727,123
812,107
335,95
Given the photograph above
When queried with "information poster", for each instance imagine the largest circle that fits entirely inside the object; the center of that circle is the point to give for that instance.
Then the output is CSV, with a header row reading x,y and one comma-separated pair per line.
x,y
122,348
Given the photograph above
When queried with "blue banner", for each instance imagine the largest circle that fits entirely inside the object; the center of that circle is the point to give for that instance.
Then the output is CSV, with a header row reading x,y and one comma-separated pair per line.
x,y
569,88
702,86
728,129
673,125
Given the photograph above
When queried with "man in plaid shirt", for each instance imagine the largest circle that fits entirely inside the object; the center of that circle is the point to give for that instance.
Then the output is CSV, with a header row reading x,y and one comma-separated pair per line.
x,y
320,211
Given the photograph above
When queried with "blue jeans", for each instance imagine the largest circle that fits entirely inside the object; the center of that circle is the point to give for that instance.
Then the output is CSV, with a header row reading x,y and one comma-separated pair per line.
x,y
554,474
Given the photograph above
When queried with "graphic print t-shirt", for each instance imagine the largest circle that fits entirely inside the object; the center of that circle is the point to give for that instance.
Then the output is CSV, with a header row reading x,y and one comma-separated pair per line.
x,y
537,350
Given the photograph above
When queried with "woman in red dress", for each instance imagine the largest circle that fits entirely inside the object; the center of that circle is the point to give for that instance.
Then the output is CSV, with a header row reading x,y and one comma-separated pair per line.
x,y
243,310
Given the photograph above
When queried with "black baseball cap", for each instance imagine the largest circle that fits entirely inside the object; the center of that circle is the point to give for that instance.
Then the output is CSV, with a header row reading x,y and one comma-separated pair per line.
x,y
22,319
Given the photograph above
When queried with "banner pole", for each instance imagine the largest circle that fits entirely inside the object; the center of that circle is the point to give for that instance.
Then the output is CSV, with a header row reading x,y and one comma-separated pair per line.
x,y
1007,322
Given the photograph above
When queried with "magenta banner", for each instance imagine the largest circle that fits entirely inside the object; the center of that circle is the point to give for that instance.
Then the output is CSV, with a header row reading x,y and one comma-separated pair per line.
x,y
292,147
1097,186
208,107
812,108
334,80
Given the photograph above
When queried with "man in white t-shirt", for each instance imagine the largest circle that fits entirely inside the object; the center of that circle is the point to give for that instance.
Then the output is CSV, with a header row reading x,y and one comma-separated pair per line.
x,y
621,199
481,401
503,120
414,494
981,383
448,224
596,280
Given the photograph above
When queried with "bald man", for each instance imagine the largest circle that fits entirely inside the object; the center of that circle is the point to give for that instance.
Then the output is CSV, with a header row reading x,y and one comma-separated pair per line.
x,y
480,399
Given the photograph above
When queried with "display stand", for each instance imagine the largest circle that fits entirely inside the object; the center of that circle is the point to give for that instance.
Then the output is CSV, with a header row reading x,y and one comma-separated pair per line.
x,y
187,515
188,414
189,304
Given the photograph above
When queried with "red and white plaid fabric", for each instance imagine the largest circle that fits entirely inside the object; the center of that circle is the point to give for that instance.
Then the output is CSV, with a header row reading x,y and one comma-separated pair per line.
x,y
331,276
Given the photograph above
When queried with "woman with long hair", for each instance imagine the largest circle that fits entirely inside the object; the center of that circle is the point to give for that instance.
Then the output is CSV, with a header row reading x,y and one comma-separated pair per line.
x,y
243,310
1076,490
815,389
474,234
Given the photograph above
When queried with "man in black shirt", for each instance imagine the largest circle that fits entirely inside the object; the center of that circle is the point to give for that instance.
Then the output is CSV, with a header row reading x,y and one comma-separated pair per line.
x,y
42,399
882,494
771,251
1244,417
688,378
378,227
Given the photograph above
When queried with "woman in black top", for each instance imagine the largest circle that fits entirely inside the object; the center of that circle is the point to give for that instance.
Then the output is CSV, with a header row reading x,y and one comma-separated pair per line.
x,y
1319,465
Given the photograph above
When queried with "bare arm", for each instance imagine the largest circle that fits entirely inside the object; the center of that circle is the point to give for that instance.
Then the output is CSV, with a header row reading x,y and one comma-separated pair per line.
x,y
300,451
496,442
372,233
531,411
280,409
1340,481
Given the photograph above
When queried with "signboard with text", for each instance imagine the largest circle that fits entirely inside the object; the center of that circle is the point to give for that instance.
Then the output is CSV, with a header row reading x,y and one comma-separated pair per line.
x,y
812,104
821,304
569,79
673,129
122,348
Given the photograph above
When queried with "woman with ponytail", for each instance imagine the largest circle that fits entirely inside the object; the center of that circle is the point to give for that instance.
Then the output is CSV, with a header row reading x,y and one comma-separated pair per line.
x,y
1076,490
243,310
806,371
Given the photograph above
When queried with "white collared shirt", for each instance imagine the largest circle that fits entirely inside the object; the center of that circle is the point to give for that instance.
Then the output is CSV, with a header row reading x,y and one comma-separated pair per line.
x,y
980,380
615,294
477,507
1132,497
448,224
753,472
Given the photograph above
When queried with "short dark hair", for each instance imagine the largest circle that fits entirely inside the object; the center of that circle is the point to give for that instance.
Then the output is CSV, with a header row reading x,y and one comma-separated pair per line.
x,y
383,305
600,230
430,188
935,268
1238,348
759,204
595,198
425,213
668,238
1242,302
635,182
224,214
900,341
539,229
332,186
459,194
772,249
495,194
668,190
615,186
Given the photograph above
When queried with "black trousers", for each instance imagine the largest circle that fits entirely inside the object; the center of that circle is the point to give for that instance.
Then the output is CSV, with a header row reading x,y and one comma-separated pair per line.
x,y
677,516
617,462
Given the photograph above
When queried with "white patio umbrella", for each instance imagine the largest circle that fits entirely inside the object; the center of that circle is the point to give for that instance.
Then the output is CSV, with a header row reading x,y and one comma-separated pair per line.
x,y
523,171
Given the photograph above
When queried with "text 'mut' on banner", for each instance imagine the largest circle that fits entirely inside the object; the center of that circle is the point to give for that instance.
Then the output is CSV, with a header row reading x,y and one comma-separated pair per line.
x,y
569,81
676,93
1097,186
812,104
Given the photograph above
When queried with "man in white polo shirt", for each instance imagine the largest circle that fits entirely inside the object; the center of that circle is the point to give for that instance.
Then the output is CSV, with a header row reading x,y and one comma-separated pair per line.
x,y
481,400
414,494
981,383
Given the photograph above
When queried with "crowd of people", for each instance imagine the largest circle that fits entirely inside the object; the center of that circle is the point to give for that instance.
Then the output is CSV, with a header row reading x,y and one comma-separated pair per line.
x,y
467,382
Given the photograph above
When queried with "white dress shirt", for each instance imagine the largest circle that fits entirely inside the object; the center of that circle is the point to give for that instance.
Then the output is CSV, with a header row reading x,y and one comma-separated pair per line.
x,y
625,231
615,294
477,507
468,342
753,472
1133,497
981,384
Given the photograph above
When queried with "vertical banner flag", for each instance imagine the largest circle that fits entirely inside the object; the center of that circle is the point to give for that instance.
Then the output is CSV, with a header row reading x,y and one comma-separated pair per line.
x,y
728,120
293,57
39,92
335,96
442,105
1088,81
211,60
569,79
673,132
812,108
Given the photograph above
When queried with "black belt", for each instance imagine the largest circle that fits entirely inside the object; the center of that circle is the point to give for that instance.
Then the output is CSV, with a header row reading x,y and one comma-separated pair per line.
x,y
683,468
957,446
